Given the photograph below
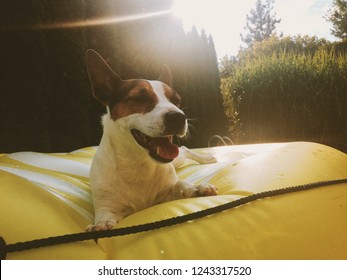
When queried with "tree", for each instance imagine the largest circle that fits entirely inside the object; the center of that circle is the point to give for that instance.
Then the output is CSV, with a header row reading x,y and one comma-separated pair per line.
x,y
261,23
46,102
24,117
338,17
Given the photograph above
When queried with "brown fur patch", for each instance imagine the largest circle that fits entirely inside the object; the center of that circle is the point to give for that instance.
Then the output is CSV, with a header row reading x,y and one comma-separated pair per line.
x,y
134,96
172,96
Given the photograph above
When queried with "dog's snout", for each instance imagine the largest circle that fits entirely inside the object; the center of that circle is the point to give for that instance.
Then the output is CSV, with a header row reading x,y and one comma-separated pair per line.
x,y
174,122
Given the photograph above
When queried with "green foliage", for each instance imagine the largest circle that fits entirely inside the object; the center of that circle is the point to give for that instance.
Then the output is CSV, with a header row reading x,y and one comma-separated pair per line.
x,y
227,65
274,44
288,95
261,23
338,16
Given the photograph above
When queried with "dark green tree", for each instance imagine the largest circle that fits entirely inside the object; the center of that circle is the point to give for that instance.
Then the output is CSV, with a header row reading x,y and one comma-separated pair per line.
x,y
338,17
261,22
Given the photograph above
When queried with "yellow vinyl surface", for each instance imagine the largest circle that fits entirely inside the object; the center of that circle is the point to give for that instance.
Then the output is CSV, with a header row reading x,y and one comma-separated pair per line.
x,y
43,195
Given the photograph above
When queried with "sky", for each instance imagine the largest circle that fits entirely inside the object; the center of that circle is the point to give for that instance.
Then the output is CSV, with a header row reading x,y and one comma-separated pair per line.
x,y
225,19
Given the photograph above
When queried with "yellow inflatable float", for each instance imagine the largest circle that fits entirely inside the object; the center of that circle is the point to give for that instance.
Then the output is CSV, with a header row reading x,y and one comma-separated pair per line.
x,y
276,201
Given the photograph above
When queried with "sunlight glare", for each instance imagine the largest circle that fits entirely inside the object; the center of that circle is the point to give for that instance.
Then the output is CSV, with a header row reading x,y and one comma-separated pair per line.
x,y
223,19
191,12
85,23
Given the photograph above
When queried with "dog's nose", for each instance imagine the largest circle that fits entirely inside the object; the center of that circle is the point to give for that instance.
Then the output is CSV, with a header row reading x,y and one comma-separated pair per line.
x,y
174,122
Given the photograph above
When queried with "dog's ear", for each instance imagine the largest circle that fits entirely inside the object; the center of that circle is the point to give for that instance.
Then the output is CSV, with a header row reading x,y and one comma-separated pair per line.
x,y
165,76
103,80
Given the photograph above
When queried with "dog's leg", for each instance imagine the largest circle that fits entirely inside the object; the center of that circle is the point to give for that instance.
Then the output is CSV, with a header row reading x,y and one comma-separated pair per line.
x,y
104,220
108,211
185,153
183,189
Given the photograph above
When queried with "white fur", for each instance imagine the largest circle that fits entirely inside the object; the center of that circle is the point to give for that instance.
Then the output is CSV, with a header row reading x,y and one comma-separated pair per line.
x,y
125,179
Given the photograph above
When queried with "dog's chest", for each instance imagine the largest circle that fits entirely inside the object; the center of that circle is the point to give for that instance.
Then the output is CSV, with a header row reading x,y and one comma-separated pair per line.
x,y
146,185
138,183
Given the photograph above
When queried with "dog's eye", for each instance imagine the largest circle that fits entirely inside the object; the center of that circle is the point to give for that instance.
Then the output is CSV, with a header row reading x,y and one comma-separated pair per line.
x,y
139,96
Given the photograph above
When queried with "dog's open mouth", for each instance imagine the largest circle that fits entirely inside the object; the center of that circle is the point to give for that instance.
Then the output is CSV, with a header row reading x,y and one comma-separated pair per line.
x,y
161,149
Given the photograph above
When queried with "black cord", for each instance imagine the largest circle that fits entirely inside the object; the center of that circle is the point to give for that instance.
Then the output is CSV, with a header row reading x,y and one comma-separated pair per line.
x,y
83,236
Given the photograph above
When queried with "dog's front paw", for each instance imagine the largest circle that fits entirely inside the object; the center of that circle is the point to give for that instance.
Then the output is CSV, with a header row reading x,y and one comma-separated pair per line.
x,y
186,190
209,158
102,225
205,190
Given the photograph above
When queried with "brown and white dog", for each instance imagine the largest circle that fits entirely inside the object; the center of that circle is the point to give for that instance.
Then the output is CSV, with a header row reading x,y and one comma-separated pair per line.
x,y
134,164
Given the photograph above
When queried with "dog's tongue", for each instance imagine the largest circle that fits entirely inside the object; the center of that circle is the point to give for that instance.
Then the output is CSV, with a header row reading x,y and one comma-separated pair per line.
x,y
165,148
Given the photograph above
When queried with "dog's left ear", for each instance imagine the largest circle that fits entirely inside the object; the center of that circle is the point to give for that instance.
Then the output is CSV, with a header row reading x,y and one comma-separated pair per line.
x,y
104,81
165,76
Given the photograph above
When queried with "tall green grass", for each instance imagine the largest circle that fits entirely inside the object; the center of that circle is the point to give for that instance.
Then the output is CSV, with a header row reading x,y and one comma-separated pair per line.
x,y
288,96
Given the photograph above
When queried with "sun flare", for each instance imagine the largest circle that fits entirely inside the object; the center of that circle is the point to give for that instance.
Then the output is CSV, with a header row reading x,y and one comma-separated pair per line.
x,y
223,19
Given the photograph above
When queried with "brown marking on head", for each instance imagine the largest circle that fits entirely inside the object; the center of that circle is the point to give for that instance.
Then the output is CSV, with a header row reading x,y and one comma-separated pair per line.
x,y
167,80
137,97
172,96
123,97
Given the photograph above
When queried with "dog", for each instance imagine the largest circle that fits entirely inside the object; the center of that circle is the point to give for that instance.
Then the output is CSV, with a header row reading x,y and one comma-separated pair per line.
x,y
134,166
